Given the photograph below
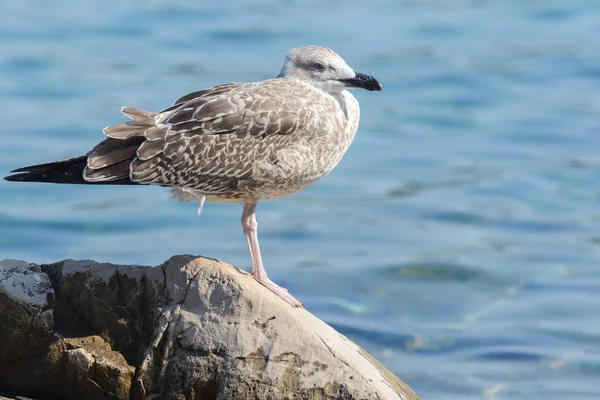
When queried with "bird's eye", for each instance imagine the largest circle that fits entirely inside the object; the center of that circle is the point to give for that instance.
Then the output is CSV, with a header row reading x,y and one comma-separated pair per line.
x,y
318,66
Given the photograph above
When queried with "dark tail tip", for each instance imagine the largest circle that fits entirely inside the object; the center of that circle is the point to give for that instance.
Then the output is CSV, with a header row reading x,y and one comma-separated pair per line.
x,y
67,171
16,177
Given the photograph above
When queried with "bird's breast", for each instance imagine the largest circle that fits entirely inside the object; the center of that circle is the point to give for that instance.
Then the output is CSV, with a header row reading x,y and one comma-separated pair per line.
x,y
299,161
301,164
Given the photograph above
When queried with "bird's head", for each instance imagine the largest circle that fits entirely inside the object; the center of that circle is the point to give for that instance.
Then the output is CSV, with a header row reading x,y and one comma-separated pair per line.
x,y
325,69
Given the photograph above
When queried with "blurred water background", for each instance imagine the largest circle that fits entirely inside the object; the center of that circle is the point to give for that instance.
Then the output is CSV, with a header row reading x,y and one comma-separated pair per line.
x,y
459,239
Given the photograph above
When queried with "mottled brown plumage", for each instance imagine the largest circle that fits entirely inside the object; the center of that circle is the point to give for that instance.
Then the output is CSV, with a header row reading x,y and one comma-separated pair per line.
x,y
236,142
232,142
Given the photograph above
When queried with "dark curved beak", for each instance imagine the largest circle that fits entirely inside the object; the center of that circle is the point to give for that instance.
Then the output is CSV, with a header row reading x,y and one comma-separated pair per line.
x,y
363,81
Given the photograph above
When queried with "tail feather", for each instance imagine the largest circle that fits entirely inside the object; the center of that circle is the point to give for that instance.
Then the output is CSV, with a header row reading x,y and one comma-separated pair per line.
x,y
142,121
67,171
46,166
125,130
137,114
107,163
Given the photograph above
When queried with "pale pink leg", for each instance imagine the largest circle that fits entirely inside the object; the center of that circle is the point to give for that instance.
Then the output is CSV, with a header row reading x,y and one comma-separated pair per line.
x,y
258,270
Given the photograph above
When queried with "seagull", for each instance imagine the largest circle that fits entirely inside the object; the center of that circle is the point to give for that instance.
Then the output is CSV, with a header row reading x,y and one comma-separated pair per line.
x,y
232,143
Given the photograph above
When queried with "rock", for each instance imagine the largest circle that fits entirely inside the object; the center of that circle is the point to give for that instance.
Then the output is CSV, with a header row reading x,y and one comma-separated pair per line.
x,y
192,328
26,298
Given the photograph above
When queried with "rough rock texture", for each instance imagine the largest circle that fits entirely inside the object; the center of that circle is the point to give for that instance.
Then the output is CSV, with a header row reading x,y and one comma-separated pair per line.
x,y
192,328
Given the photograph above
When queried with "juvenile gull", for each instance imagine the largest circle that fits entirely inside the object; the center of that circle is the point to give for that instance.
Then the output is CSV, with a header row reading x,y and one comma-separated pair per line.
x,y
232,143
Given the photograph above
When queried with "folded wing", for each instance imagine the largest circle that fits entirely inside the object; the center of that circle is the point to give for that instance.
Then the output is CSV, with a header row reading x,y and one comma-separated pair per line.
x,y
208,140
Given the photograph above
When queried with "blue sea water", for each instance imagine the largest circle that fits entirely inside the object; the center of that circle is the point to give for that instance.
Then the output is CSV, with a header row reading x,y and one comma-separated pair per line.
x,y
459,239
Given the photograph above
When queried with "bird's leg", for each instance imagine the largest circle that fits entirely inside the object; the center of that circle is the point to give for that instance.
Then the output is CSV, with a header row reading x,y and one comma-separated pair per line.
x,y
258,270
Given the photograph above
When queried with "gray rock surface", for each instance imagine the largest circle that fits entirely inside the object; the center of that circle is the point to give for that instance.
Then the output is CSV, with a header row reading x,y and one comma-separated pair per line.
x,y
192,328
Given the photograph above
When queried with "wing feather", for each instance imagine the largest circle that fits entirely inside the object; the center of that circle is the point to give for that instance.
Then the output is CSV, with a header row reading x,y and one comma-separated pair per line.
x,y
213,91
209,140
150,149
112,151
